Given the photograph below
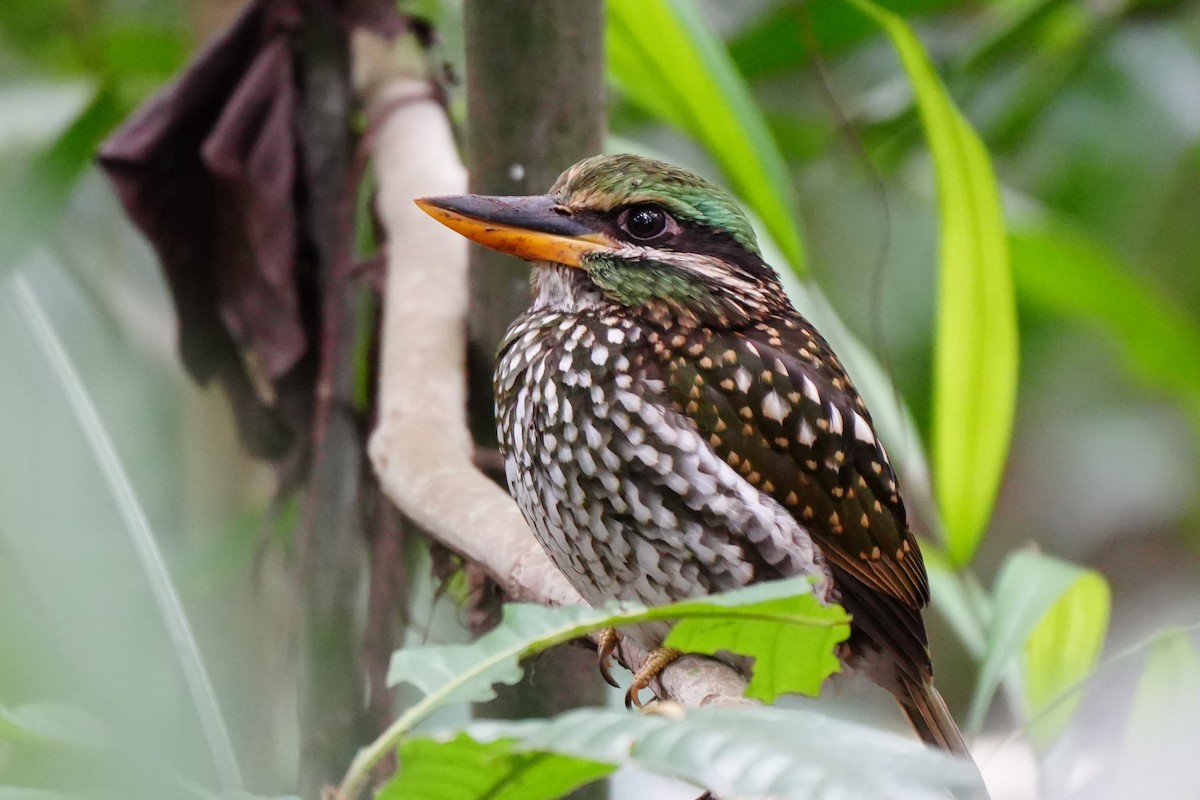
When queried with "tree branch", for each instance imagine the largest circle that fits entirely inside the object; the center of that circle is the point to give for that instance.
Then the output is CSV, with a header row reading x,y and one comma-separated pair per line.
x,y
422,448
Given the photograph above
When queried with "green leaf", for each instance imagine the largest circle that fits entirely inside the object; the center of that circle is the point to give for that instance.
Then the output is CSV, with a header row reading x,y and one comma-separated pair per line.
x,y
141,537
751,621
753,752
788,658
975,358
776,42
1064,271
1028,588
667,61
1061,651
464,769
31,204
449,674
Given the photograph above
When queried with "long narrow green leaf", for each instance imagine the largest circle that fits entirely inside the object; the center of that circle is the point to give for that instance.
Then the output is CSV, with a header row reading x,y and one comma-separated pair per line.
x,y
975,363
1065,272
775,43
142,538
1029,588
667,61
1061,651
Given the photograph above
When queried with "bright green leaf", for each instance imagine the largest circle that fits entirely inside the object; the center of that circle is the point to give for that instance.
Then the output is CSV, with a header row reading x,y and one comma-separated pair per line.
x,y
755,752
975,358
449,674
1061,651
1063,271
669,62
1028,587
464,769
464,673
788,658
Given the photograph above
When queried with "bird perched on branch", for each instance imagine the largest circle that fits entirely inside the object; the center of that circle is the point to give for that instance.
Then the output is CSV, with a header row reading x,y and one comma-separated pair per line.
x,y
671,426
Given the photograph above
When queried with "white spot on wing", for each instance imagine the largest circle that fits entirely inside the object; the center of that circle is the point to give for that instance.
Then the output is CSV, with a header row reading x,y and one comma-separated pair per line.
x,y
807,434
862,429
775,407
742,378
810,390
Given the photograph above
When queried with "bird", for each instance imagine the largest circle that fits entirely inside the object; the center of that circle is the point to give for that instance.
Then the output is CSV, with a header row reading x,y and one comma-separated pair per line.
x,y
671,426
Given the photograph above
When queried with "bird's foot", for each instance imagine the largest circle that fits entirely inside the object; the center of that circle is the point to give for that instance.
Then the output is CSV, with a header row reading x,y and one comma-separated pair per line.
x,y
608,645
658,661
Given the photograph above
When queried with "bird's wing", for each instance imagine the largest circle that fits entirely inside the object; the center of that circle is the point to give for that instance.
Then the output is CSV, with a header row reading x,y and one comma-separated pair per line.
x,y
773,401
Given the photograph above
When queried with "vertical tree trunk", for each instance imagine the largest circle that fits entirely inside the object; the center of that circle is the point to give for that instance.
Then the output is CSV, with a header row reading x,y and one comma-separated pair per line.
x,y
332,713
535,98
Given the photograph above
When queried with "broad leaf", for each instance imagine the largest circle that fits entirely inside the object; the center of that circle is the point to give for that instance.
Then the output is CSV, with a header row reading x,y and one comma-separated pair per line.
x,y
667,61
464,769
755,752
975,359
1061,651
788,657
464,673
1027,589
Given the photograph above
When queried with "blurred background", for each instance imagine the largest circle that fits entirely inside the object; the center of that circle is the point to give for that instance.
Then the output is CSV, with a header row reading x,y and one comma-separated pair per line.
x,y
148,593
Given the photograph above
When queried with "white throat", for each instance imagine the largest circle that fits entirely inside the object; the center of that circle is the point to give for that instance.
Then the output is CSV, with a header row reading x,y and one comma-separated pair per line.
x,y
564,289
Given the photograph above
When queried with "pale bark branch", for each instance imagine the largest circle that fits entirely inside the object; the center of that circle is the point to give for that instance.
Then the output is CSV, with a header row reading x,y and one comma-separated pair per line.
x,y
422,448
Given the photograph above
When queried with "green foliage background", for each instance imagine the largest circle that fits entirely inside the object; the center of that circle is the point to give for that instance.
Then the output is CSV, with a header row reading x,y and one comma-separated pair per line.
x,y
145,604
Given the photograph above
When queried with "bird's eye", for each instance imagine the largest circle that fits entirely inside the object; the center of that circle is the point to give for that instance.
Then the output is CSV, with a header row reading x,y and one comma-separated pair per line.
x,y
645,222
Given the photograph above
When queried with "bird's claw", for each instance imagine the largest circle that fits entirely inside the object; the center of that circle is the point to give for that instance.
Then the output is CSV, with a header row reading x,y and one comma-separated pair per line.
x,y
656,663
608,644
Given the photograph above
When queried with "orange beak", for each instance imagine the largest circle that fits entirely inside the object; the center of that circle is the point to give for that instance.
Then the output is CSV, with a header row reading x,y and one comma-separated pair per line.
x,y
534,228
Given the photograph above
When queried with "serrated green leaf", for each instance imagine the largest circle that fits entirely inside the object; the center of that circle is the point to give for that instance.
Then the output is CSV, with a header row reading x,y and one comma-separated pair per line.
x,y
666,59
464,769
757,752
463,673
1061,651
450,674
788,658
975,354
1027,588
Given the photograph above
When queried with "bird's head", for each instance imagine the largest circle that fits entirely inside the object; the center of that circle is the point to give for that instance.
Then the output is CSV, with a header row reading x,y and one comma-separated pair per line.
x,y
649,236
